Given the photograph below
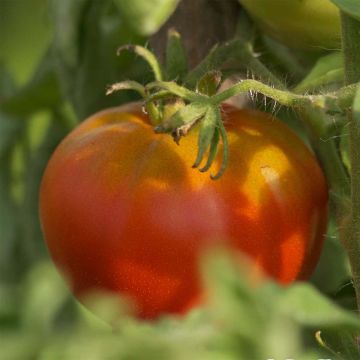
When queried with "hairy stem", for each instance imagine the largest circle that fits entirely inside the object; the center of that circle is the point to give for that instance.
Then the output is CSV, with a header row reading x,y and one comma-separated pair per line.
x,y
337,101
315,122
351,238
351,48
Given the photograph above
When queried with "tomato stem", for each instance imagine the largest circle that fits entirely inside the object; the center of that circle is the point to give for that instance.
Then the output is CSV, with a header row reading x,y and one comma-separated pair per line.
x,y
351,49
315,122
333,102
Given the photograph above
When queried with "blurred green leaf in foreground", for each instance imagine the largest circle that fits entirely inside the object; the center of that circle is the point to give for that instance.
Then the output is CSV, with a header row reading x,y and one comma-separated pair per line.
x,y
241,322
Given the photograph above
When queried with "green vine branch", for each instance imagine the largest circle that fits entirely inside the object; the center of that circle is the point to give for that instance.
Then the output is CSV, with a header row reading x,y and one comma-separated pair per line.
x,y
338,101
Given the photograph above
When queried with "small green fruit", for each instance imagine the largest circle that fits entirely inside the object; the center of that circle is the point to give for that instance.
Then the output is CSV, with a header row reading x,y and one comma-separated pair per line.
x,y
303,24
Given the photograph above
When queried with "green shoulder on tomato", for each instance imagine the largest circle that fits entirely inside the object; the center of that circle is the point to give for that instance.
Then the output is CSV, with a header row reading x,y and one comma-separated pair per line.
x,y
304,24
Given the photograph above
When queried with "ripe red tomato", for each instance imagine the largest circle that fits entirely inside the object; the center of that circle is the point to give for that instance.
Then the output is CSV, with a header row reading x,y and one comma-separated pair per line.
x,y
122,209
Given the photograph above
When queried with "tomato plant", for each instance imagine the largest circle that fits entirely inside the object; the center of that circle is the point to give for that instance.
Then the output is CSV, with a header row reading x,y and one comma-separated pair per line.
x,y
122,210
308,24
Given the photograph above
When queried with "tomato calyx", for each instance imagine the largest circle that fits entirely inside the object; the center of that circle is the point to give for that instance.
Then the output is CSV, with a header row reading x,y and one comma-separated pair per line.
x,y
174,120
174,109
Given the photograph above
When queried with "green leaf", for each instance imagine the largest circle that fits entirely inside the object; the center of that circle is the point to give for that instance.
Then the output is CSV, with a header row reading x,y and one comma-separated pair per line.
x,y
327,70
238,54
42,282
329,279
146,16
309,307
252,323
288,60
214,60
19,345
351,7
269,312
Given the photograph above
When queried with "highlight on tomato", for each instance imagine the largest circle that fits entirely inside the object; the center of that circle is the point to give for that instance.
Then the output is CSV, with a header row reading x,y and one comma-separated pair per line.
x,y
304,24
123,211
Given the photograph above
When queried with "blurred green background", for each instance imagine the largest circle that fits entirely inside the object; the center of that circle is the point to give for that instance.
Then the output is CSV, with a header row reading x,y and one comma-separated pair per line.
x,y
56,59
26,32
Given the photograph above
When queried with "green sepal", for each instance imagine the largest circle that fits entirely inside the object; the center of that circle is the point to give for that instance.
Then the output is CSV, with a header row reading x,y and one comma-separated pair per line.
x,y
147,55
213,151
209,83
159,95
176,90
186,116
126,85
206,134
328,69
151,108
225,158
176,62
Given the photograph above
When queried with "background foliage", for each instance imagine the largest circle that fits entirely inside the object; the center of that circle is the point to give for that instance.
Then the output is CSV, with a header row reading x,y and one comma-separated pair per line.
x,y
56,59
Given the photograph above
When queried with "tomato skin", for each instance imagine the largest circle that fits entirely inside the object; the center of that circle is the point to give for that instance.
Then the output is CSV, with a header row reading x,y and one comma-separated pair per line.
x,y
123,211
304,24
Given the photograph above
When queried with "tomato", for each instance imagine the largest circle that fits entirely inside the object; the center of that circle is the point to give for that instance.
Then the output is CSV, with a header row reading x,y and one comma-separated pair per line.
x,y
123,211
307,24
